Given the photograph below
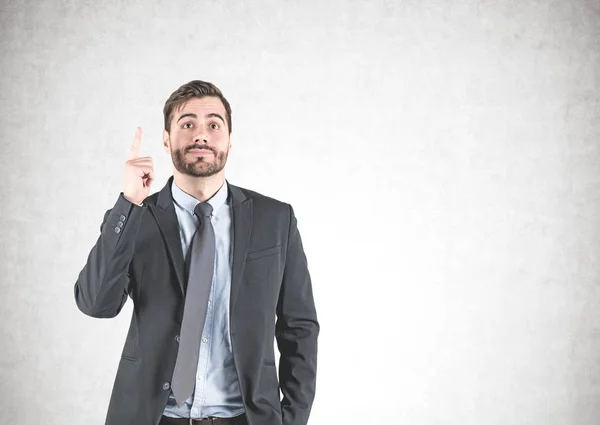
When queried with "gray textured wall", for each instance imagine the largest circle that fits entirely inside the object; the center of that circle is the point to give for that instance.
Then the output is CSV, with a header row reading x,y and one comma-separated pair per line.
x,y
442,158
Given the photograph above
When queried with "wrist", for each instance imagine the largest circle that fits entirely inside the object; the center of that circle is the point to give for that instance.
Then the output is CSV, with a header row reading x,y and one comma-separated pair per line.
x,y
133,201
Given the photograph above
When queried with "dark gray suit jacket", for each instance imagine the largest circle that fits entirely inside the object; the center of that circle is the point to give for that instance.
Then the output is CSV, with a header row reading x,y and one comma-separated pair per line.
x,y
138,255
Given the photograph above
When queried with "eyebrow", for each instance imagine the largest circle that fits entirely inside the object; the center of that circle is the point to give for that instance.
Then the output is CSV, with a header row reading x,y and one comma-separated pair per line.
x,y
211,115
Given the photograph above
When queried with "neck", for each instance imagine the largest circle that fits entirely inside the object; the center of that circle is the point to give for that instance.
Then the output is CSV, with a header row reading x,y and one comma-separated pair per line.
x,y
201,188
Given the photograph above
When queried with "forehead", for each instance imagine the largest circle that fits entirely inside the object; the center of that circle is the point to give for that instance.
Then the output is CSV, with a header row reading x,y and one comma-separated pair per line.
x,y
201,106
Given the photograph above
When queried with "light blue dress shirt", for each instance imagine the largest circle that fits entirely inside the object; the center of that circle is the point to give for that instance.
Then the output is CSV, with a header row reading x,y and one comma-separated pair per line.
x,y
217,390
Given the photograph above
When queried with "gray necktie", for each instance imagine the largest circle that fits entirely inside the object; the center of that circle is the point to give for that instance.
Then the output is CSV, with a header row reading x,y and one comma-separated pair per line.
x,y
202,261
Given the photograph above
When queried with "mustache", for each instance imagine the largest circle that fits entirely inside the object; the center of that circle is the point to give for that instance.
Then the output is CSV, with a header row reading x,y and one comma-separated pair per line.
x,y
208,148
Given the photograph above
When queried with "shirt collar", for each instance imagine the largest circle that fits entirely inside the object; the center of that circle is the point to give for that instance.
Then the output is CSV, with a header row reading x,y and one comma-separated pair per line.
x,y
188,202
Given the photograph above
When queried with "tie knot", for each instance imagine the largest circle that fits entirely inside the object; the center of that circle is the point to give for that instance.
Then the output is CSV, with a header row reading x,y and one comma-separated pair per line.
x,y
203,209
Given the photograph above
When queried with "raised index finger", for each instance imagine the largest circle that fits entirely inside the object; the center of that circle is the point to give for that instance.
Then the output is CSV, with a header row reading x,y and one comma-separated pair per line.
x,y
134,152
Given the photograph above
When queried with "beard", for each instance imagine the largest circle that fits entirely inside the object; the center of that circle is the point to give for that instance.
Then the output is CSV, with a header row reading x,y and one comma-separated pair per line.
x,y
199,166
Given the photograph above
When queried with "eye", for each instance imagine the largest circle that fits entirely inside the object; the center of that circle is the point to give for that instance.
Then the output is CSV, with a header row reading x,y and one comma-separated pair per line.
x,y
187,125
214,126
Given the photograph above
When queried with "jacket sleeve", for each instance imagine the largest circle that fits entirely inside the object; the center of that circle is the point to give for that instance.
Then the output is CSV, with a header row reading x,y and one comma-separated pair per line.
x,y
102,287
296,333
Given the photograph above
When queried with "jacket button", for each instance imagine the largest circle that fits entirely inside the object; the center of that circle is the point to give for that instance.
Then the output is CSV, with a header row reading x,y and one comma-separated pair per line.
x,y
117,229
166,386
122,218
119,223
177,339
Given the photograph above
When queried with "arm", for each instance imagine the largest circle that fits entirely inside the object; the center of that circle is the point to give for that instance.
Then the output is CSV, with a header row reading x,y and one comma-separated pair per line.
x,y
103,284
296,332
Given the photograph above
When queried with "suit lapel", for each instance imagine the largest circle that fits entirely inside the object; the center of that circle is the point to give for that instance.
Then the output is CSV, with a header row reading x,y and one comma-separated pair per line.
x,y
242,229
166,218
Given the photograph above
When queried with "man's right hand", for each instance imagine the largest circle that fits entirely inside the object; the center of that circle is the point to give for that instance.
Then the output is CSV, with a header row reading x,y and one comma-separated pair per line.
x,y
139,172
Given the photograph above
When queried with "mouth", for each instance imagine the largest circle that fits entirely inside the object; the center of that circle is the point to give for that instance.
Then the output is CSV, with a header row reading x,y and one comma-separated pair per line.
x,y
200,152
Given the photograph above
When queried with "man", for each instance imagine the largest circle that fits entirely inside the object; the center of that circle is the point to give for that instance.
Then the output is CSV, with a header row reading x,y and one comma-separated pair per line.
x,y
216,273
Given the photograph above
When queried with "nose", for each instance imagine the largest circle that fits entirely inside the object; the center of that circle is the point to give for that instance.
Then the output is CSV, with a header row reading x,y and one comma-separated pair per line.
x,y
200,138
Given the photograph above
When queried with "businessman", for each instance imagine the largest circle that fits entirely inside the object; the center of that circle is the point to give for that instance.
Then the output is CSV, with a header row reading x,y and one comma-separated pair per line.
x,y
216,273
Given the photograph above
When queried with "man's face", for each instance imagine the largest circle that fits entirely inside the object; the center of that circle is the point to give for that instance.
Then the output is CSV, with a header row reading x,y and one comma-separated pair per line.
x,y
199,138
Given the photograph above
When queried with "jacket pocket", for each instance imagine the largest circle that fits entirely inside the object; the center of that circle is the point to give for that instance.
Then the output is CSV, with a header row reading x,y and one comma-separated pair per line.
x,y
129,358
263,253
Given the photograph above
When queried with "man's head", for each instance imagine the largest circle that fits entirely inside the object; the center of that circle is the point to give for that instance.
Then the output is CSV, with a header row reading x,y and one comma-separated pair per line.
x,y
197,129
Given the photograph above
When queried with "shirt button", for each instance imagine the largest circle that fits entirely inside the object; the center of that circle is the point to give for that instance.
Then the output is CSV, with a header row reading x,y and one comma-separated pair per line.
x,y
117,229
166,386
122,218
201,377
205,340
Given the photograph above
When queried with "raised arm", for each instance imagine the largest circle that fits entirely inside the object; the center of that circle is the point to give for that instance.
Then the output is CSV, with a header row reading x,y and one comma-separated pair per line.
x,y
104,282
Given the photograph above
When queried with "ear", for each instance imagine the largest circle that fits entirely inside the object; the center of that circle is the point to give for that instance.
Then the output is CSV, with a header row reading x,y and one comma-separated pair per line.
x,y
166,141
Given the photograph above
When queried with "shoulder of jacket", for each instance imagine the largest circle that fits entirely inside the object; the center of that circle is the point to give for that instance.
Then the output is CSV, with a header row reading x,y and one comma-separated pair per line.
x,y
262,199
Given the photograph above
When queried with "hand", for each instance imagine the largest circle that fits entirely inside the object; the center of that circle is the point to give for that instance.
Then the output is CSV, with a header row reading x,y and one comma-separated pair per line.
x,y
139,172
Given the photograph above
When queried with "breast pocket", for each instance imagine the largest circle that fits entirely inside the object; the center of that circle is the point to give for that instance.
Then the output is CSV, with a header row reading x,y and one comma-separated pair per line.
x,y
260,262
267,252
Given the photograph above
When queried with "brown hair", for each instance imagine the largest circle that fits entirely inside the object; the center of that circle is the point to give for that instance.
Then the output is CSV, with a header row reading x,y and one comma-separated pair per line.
x,y
193,89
